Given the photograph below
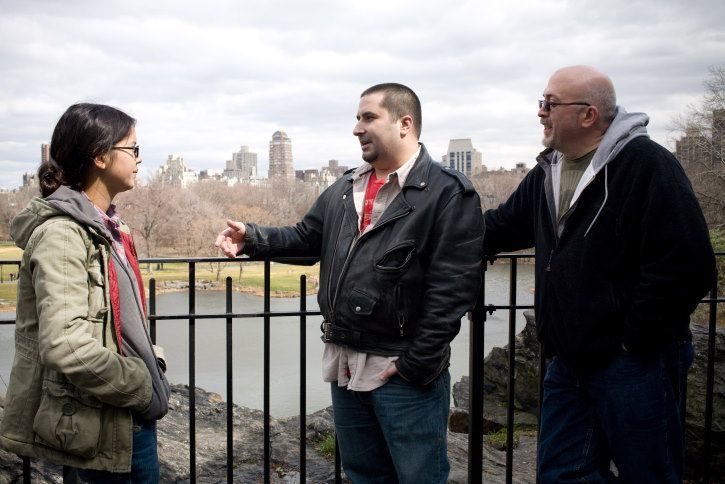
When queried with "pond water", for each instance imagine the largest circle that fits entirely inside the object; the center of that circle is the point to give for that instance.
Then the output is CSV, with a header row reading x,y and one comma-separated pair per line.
x,y
248,338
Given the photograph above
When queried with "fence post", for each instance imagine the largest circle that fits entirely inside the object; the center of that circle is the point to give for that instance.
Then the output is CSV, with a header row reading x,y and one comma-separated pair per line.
x,y
475,385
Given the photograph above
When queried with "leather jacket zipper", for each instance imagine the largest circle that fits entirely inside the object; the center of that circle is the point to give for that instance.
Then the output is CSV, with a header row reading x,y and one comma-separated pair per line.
x,y
350,253
548,264
401,310
334,254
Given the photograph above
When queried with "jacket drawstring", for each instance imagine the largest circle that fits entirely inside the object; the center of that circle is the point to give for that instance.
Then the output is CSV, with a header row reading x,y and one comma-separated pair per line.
x,y
606,195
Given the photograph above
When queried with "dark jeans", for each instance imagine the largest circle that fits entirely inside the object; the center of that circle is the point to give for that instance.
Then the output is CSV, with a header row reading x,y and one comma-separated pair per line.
x,y
395,433
627,412
144,461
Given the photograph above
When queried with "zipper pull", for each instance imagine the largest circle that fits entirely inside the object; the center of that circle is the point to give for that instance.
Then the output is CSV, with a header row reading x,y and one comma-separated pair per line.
x,y
548,264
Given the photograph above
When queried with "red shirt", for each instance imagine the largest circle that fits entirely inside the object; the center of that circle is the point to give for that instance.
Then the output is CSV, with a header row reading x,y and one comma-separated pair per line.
x,y
373,186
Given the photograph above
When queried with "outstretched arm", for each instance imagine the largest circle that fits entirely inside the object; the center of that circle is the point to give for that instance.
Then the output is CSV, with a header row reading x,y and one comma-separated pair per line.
x,y
231,240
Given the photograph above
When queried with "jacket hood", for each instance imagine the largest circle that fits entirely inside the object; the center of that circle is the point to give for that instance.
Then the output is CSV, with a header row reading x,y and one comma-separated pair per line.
x,y
64,201
624,128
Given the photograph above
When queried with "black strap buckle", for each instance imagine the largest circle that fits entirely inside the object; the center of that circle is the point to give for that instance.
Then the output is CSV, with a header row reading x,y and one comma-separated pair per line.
x,y
325,327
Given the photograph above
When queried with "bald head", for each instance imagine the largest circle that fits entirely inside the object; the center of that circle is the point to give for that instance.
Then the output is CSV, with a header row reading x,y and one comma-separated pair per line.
x,y
591,85
582,104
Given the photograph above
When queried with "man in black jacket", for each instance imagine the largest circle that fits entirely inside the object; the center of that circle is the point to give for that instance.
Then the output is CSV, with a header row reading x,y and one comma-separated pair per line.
x,y
622,258
399,240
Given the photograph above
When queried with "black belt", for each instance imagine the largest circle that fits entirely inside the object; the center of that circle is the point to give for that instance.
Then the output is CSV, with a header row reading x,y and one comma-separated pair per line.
x,y
359,339
337,334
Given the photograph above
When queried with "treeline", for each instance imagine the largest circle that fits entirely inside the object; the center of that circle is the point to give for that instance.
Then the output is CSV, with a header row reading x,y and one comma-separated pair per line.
x,y
183,222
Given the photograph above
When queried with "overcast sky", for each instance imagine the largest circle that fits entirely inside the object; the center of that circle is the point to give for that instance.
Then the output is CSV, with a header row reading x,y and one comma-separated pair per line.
x,y
203,78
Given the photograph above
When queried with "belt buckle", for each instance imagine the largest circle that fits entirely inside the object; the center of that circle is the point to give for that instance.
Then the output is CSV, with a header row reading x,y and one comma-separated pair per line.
x,y
326,329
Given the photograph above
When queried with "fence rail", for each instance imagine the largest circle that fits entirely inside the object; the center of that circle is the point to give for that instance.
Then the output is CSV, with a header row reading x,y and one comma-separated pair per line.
x,y
477,319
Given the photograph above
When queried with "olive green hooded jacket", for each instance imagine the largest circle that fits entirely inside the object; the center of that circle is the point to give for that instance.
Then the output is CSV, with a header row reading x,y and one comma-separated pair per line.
x,y
71,393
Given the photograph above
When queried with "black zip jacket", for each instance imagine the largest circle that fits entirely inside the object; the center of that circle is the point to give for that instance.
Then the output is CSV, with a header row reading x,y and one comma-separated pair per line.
x,y
631,262
405,284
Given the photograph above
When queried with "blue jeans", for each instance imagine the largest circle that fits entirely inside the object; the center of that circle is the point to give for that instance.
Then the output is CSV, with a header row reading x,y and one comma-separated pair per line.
x,y
144,460
627,412
395,433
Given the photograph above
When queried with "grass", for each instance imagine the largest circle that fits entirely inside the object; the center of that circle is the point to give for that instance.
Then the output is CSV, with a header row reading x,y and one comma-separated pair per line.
x,y
8,290
326,447
497,440
283,278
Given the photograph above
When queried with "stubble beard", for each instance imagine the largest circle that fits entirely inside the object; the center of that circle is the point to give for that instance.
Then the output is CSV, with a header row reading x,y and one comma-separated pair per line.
x,y
548,140
370,156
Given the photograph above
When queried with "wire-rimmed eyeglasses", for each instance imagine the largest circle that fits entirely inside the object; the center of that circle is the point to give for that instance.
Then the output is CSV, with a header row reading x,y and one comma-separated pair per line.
x,y
134,148
547,105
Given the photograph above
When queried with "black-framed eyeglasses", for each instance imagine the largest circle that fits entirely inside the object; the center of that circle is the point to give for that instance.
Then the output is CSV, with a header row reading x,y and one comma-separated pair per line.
x,y
134,148
547,105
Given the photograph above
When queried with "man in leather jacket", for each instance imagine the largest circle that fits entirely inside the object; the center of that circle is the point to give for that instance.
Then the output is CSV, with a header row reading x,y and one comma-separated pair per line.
x,y
400,242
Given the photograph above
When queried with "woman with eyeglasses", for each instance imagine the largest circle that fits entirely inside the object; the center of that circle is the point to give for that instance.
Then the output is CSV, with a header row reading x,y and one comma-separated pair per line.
x,y
87,386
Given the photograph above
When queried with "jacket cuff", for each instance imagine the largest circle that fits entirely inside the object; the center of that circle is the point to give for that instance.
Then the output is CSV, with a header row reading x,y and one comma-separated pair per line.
x,y
408,373
250,241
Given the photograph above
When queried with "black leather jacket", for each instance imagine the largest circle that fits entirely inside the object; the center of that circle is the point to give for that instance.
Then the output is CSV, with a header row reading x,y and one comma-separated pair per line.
x,y
403,287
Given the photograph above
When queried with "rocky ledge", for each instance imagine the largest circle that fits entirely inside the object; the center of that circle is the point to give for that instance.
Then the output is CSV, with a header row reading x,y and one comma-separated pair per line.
x,y
248,444
526,396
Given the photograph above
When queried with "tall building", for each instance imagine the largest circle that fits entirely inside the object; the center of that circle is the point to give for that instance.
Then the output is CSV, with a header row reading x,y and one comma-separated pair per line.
x,y
30,179
701,151
44,152
242,166
702,148
692,151
334,168
174,173
462,156
718,135
280,157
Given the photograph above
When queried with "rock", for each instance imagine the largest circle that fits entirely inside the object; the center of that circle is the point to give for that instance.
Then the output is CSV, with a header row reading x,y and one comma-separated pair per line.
x,y
248,443
495,384
695,423
494,461
180,285
526,375
211,441
527,388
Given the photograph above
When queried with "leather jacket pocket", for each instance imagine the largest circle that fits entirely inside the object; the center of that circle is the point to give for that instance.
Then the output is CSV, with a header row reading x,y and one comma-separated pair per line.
x,y
68,420
361,304
398,258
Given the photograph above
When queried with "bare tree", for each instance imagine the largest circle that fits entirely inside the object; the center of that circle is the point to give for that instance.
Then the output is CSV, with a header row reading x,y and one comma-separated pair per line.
x,y
148,210
701,147
495,187
11,203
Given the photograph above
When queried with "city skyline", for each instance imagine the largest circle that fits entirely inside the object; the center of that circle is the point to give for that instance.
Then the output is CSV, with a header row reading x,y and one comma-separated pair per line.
x,y
201,79
243,165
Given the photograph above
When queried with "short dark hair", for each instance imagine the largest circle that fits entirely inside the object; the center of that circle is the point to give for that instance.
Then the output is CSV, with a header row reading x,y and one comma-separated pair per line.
x,y
400,101
83,132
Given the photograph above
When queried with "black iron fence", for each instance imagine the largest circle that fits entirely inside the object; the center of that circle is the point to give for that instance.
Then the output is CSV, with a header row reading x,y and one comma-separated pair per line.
x,y
477,320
